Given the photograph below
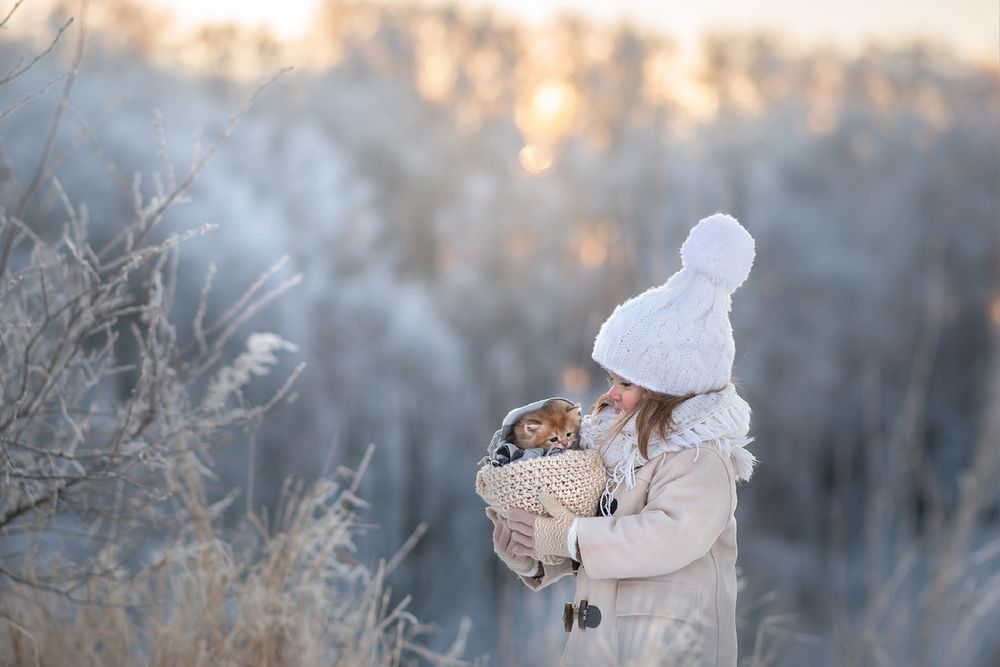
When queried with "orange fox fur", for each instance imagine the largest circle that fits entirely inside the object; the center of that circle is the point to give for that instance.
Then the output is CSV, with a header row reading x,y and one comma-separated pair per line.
x,y
555,424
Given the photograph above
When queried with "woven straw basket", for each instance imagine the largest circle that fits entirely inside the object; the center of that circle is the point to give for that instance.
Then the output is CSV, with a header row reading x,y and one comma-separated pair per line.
x,y
576,478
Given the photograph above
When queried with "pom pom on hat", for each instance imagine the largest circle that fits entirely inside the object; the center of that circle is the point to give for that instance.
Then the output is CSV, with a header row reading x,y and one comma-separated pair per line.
x,y
720,249
676,338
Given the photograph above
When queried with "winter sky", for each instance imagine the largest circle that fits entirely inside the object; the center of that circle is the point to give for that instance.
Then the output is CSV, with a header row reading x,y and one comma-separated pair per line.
x,y
969,26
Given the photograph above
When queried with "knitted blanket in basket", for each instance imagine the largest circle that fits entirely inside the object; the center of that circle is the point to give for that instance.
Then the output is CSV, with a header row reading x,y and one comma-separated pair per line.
x,y
576,477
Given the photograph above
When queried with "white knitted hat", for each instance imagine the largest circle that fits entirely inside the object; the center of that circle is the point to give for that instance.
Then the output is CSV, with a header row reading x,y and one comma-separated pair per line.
x,y
676,338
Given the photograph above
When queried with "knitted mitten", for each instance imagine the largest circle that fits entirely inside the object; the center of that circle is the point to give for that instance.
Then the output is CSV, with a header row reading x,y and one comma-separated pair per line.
x,y
552,533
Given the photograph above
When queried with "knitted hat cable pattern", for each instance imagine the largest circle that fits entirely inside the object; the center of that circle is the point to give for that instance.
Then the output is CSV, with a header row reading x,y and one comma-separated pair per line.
x,y
676,338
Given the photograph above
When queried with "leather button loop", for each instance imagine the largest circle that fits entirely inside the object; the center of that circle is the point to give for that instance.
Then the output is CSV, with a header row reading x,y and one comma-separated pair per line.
x,y
568,616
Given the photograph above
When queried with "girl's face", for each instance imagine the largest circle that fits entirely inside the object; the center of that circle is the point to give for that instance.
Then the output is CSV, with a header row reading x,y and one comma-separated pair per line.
x,y
623,394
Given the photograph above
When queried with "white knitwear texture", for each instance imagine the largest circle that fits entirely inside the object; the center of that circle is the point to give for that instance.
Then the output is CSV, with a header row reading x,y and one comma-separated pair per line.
x,y
551,533
719,419
676,338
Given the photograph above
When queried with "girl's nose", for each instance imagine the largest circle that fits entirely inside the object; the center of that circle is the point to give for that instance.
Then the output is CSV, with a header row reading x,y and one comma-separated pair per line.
x,y
614,394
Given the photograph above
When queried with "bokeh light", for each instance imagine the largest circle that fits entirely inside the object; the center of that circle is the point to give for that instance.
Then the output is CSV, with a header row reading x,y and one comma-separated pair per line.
x,y
576,381
535,158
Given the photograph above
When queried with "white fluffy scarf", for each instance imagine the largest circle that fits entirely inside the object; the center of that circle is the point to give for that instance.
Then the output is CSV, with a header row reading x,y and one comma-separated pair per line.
x,y
720,419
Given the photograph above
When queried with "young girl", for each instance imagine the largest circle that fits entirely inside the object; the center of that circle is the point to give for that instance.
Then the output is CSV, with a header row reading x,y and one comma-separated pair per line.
x,y
656,570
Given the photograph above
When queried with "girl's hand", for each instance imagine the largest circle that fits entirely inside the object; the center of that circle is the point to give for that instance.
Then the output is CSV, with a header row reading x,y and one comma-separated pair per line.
x,y
502,543
538,536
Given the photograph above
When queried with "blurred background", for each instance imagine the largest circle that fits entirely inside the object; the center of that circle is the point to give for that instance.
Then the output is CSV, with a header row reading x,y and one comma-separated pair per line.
x,y
468,189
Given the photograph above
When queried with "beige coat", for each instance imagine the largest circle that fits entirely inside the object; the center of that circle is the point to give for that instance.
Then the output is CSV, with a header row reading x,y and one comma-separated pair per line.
x,y
662,568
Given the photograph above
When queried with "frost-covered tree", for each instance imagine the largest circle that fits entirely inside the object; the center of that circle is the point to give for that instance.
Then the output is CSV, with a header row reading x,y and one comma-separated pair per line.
x,y
112,411
93,427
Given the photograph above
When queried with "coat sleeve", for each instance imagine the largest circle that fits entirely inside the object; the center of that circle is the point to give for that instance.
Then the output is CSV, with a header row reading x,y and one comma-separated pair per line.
x,y
550,574
688,504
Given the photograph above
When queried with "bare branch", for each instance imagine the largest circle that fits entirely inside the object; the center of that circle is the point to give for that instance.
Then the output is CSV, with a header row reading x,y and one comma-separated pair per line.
x,y
13,9
28,98
99,149
240,305
40,170
212,149
15,73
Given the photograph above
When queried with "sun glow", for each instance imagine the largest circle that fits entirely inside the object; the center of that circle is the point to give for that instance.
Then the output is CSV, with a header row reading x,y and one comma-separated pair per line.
x,y
672,77
544,114
286,20
547,110
966,25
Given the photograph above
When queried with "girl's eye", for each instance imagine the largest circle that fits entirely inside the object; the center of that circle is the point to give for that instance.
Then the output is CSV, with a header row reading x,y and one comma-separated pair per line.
x,y
626,384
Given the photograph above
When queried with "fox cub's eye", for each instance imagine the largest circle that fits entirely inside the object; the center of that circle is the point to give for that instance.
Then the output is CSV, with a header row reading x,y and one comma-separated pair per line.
x,y
570,434
554,438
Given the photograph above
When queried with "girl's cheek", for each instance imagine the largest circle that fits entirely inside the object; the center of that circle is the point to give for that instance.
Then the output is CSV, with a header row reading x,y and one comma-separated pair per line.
x,y
631,399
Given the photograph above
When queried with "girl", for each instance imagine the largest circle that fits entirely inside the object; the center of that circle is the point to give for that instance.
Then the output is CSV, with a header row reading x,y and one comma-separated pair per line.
x,y
656,570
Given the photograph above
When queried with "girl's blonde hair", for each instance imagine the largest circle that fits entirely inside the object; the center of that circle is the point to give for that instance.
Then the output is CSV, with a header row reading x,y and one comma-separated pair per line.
x,y
653,414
